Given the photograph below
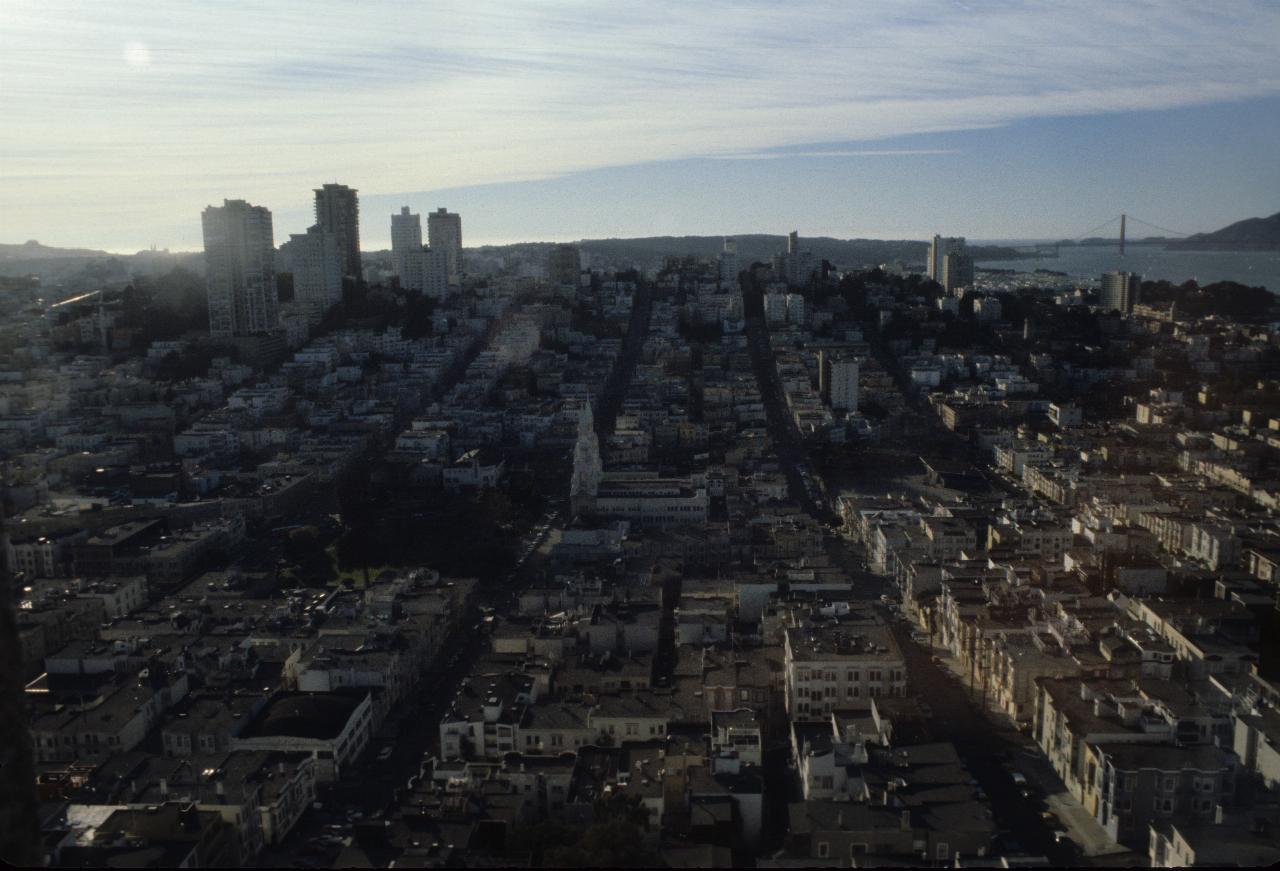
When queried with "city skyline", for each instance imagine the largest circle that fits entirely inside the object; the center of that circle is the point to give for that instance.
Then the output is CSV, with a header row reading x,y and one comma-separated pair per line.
x,y
889,121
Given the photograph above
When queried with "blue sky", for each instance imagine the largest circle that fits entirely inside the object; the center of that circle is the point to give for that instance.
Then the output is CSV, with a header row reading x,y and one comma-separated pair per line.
x,y
564,119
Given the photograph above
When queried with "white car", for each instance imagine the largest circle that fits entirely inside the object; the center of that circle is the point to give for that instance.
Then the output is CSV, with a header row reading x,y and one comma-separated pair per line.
x,y
385,753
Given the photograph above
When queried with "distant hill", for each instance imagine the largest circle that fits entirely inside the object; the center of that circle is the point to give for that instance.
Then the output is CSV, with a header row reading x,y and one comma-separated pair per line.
x,y
1251,234
33,250
649,251
72,270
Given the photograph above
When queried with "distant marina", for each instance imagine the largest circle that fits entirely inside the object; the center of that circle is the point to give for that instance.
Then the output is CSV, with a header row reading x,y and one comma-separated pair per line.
x,y
1252,268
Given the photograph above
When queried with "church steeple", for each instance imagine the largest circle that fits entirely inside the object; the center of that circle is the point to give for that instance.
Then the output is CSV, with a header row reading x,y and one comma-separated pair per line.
x,y
587,468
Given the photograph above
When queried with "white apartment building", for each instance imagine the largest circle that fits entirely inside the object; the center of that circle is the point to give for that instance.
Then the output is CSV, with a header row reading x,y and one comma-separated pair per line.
x,y
832,666
406,240
317,275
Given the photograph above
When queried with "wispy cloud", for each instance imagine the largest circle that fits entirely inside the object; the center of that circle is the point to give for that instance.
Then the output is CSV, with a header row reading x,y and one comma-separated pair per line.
x,y
837,152
398,96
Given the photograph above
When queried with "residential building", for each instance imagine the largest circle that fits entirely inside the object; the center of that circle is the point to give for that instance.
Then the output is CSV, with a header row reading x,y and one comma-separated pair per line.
x,y
406,242
317,272
338,212
939,248
1120,291
239,256
444,233
564,265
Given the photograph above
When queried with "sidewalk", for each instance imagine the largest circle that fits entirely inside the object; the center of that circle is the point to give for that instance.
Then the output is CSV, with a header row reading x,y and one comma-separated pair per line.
x,y
1082,828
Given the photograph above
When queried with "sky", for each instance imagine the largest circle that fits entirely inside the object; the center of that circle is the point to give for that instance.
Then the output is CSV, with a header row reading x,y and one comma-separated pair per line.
x,y
561,119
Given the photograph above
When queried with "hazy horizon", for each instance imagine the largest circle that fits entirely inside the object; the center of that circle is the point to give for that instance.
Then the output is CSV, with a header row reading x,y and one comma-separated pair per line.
x,y
386,246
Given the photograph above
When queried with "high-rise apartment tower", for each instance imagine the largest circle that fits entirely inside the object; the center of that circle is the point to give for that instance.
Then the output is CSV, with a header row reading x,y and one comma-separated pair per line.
x,y
239,256
338,212
444,233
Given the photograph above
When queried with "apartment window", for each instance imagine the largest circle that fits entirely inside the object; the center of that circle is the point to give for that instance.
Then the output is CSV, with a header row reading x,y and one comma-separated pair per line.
x,y
942,851
1169,784
824,849
557,740
849,692
873,675
826,782
633,728
851,676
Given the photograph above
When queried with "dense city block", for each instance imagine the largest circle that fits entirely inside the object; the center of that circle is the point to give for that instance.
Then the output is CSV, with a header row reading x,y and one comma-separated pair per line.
x,y
532,555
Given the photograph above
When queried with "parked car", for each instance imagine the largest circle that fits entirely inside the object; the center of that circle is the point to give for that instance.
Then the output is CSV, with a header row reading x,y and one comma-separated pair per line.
x,y
385,753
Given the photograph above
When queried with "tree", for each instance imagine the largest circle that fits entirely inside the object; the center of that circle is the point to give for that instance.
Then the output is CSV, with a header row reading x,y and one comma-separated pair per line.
x,y
611,844
531,842
621,806
305,547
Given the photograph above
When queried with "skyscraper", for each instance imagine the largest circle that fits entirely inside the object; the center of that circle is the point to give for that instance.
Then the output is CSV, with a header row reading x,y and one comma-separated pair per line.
x,y
1120,291
587,469
939,248
239,255
728,265
844,384
406,243
957,271
338,212
564,264
444,233
435,272
317,272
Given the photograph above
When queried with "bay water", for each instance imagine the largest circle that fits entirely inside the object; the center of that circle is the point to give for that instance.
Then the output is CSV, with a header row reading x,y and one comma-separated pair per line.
x,y
1154,263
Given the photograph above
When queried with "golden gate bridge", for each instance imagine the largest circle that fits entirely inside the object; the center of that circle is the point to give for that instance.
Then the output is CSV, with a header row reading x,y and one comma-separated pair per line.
x,y
1051,249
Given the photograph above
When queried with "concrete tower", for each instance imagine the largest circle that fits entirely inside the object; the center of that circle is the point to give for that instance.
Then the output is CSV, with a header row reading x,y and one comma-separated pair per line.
x,y
587,468
239,256
338,212
406,248
444,233
317,272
